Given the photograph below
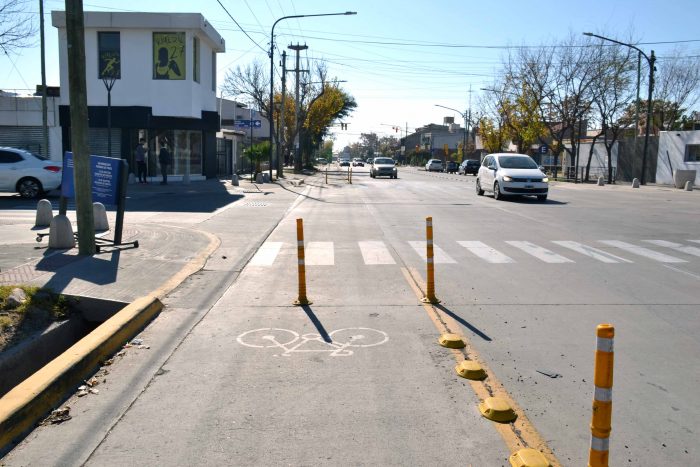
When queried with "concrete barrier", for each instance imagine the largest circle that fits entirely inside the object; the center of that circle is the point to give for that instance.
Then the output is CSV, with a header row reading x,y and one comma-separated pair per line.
x,y
601,181
44,213
99,214
259,178
635,183
689,185
234,180
682,176
61,233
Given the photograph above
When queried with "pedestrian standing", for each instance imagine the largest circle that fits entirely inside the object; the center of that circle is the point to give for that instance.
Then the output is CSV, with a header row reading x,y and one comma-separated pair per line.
x,y
165,159
141,161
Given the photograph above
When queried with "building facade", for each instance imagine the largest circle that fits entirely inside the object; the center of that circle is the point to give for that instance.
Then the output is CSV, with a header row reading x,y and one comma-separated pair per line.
x,y
162,68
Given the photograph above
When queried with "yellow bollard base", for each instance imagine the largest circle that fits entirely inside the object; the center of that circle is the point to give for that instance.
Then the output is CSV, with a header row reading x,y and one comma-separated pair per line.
x,y
432,300
302,302
529,458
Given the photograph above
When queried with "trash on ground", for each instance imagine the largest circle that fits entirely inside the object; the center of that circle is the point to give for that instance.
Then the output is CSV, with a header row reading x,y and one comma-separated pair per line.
x,y
57,416
136,341
82,393
93,391
551,374
92,382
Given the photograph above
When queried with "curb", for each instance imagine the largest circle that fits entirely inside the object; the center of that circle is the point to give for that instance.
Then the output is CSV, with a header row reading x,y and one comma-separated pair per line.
x,y
27,403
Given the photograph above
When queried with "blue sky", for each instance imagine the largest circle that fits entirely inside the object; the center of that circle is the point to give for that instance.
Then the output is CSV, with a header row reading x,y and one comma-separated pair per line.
x,y
399,58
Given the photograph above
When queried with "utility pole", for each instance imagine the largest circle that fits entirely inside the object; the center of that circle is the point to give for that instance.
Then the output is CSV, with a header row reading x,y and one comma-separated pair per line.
x,y
280,123
297,151
44,110
82,179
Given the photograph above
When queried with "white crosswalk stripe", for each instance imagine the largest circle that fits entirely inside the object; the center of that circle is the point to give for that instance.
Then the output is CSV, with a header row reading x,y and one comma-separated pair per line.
x,y
689,250
485,252
375,252
319,254
694,241
439,255
641,251
266,254
538,252
591,252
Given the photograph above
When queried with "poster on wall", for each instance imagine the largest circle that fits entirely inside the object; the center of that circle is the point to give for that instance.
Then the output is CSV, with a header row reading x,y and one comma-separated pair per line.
x,y
109,55
169,55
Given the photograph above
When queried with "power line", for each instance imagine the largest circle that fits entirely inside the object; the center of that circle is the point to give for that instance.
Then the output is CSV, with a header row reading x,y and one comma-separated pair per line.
x,y
239,26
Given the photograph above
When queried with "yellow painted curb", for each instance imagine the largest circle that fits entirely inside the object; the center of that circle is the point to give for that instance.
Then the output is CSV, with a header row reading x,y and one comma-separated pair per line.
x,y
29,402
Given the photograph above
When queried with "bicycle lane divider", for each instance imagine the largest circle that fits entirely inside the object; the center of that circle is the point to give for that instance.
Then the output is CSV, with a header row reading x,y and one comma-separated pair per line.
x,y
516,435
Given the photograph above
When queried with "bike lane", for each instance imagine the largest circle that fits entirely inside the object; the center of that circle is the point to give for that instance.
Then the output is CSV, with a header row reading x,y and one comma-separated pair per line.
x,y
357,377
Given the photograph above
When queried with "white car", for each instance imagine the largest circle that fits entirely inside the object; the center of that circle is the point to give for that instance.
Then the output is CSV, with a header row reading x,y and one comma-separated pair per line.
x,y
506,174
383,167
27,173
434,165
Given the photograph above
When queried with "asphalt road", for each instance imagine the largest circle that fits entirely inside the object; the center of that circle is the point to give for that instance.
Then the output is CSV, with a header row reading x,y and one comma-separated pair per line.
x,y
358,378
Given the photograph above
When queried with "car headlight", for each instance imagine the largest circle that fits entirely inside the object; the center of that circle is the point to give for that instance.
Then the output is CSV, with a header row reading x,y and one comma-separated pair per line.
x,y
545,179
394,169
507,178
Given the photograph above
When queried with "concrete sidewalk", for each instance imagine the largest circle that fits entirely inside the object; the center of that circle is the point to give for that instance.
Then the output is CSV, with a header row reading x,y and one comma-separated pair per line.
x,y
206,229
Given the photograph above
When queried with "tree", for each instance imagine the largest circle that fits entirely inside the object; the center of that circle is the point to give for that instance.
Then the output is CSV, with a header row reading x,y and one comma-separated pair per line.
x,y
17,27
677,87
493,136
370,143
256,153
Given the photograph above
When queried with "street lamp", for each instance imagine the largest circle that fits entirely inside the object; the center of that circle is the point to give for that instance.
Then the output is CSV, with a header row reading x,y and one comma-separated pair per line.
x,y
271,54
466,125
109,79
650,61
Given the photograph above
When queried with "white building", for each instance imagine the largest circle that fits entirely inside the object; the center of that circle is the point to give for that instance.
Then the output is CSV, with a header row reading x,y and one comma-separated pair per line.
x,y
164,70
21,124
678,150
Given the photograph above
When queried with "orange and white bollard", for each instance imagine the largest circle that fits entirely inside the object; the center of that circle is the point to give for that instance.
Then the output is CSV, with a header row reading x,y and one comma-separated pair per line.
x,y
602,400
302,300
430,287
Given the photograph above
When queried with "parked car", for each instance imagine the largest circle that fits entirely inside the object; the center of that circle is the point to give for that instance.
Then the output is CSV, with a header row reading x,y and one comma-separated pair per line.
x,y
511,174
451,167
469,166
434,165
345,162
383,167
357,162
26,173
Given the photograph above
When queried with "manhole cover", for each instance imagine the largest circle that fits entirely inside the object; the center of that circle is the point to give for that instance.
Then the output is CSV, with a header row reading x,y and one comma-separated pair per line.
x,y
256,204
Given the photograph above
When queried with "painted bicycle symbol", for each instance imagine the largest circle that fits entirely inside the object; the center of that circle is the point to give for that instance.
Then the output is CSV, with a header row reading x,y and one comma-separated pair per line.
x,y
339,343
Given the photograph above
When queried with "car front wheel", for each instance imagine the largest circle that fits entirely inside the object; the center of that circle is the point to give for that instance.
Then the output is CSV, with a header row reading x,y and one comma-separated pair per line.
x,y
497,192
29,188
479,191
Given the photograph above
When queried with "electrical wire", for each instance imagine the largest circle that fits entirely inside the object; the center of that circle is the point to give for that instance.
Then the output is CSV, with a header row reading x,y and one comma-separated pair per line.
x,y
239,26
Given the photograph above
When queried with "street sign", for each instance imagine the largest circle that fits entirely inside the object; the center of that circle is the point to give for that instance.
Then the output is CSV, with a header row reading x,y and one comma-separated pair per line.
x,y
105,173
247,123
544,149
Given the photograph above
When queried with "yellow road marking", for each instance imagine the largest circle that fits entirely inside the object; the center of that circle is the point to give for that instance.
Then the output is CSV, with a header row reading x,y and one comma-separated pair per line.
x,y
516,435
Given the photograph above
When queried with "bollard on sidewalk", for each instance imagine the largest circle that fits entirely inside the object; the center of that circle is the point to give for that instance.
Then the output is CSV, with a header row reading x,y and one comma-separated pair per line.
x,y
602,400
430,286
302,300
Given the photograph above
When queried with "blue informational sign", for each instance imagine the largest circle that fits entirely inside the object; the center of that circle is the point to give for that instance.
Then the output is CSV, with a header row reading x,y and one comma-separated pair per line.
x,y
105,173
544,149
247,123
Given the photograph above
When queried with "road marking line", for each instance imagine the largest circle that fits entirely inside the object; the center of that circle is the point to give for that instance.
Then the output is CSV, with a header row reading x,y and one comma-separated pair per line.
x,y
486,253
682,271
375,252
439,255
591,252
320,254
540,253
641,251
689,250
266,254
516,435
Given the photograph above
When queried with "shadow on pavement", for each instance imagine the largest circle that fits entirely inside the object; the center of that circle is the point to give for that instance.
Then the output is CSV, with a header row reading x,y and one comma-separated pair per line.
x,y
319,326
463,322
93,270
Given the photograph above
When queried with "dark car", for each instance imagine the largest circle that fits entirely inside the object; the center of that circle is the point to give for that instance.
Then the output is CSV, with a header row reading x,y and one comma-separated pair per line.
x,y
451,167
469,166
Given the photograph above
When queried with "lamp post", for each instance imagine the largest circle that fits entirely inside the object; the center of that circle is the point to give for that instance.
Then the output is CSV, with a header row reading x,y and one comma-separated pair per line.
x,y
466,116
109,80
650,60
271,54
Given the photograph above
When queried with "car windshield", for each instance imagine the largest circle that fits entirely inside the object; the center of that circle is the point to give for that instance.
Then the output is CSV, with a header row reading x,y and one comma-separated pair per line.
x,y
516,162
384,161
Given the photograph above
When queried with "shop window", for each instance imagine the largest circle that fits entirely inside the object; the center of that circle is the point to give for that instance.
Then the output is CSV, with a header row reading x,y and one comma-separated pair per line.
x,y
108,55
692,153
169,55
195,59
185,146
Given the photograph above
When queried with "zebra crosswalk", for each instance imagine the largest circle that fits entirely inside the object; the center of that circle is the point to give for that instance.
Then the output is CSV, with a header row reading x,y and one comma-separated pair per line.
x,y
378,252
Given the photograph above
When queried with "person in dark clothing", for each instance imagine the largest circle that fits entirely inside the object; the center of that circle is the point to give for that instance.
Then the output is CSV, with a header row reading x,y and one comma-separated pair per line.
x,y
165,159
141,161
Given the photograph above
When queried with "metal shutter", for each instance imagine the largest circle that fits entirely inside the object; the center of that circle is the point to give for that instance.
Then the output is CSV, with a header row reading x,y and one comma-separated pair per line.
x,y
97,141
30,138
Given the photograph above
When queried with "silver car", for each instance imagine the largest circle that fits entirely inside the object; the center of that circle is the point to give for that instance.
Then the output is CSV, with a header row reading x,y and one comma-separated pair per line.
x,y
383,167
27,173
434,165
506,174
